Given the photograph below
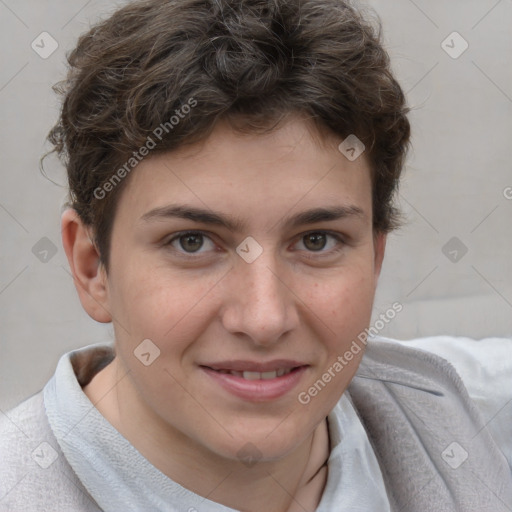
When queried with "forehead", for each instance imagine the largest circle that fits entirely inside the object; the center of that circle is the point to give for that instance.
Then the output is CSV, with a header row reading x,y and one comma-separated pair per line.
x,y
251,173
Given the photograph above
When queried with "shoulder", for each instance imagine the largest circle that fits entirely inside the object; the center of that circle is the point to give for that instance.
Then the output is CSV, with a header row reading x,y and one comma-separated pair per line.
x,y
483,366
423,425
34,474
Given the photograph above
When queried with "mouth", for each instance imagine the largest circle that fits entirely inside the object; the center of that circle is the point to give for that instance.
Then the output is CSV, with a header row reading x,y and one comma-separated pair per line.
x,y
256,382
257,375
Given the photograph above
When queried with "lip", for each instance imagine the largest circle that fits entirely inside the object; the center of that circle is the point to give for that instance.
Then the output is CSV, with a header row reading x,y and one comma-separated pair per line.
x,y
257,390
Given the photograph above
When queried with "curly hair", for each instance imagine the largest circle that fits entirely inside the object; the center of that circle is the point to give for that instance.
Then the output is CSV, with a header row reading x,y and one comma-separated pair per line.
x,y
253,61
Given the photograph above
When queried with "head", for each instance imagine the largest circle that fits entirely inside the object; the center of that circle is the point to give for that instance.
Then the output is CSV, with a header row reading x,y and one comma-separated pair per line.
x,y
236,109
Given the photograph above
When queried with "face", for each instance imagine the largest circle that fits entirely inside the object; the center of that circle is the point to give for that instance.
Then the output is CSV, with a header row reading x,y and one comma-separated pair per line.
x,y
250,263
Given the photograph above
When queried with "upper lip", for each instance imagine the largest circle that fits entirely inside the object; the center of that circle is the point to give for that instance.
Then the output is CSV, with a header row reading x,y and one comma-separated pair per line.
x,y
254,366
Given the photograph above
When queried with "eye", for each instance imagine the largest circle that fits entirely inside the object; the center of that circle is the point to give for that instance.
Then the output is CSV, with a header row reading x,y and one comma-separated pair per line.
x,y
190,242
317,241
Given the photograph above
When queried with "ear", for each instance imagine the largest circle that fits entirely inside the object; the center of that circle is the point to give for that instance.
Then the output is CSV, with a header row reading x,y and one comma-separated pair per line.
x,y
379,243
84,260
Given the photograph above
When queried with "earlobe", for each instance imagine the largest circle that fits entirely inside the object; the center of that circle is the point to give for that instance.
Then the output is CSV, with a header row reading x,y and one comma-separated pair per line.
x,y
84,261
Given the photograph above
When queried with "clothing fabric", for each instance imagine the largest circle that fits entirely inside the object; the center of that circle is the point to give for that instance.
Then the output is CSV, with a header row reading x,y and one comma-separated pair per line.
x,y
485,367
428,434
58,452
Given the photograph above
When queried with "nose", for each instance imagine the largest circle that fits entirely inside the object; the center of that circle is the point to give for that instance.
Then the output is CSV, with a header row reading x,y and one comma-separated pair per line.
x,y
259,303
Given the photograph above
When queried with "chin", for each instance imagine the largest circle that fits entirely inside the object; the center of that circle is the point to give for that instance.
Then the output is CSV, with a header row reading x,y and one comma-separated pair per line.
x,y
263,443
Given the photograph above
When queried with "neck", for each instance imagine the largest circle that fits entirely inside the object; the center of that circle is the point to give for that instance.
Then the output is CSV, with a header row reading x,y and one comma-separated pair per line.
x,y
292,483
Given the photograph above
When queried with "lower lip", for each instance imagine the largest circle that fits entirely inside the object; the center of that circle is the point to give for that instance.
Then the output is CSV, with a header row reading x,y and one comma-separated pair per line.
x,y
257,390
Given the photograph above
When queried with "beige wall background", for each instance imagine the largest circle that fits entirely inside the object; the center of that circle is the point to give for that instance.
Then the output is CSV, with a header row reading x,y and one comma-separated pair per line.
x,y
450,266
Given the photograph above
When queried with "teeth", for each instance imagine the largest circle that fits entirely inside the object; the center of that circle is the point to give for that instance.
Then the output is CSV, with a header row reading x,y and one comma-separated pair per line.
x,y
252,375
259,375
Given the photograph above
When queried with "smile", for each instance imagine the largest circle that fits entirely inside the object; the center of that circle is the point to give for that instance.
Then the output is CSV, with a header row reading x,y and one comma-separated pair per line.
x,y
258,375
257,386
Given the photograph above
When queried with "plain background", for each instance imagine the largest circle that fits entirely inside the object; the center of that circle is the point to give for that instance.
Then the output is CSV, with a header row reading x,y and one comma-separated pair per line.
x,y
456,182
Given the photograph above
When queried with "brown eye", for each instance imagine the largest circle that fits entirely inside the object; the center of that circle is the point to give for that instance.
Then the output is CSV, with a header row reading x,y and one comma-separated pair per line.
x,y
320,244
315,241
191,242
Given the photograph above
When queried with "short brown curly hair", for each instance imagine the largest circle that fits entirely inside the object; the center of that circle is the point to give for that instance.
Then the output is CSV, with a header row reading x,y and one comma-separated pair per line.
x,y
254,60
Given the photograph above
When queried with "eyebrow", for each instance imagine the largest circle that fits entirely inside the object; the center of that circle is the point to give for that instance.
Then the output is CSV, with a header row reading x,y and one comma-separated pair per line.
x,y
236,226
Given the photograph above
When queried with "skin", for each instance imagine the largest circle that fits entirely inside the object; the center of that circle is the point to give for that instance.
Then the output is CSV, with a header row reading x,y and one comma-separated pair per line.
x,y
296,301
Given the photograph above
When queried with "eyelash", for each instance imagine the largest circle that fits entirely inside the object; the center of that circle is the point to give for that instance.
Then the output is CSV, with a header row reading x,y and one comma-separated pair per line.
x,y
191,255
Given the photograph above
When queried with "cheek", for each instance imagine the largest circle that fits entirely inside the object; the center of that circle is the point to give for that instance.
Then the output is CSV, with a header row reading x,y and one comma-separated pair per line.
x,y
152,302
344,301
343,304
